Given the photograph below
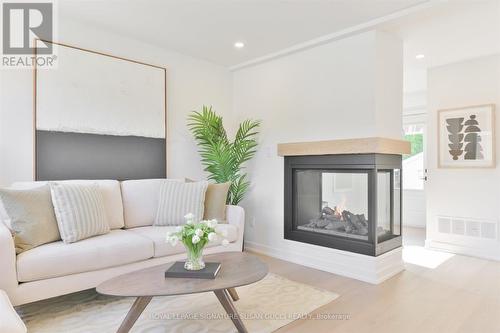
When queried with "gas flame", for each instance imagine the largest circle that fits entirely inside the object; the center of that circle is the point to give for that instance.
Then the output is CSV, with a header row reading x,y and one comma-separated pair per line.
x,y
340,207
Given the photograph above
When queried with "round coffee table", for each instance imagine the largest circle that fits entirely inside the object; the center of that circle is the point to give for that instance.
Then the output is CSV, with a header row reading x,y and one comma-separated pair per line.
x,y
237,269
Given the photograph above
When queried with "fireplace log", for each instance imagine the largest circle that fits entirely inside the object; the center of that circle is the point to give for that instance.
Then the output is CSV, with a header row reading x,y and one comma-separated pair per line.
x,y
355,223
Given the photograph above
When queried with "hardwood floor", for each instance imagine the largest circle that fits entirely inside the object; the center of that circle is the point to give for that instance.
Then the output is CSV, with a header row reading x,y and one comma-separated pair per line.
x,y
460,295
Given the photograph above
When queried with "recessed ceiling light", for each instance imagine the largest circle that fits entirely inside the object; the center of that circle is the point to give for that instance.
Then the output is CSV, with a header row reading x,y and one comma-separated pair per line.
x,y
239,45
420,56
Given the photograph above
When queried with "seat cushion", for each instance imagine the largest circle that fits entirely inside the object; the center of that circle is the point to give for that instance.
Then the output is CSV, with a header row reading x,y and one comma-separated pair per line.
x,y
116,248
111,195
162,248
140,201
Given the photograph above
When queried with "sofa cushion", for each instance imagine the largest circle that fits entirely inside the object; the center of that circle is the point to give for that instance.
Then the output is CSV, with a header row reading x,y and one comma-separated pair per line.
x,y
215,202
116,248
111,194
178,199
161,248
32,217
79,211
140,201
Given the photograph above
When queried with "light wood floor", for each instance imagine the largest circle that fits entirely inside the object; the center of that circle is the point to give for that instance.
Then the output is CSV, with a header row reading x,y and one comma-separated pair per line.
x,y
460,295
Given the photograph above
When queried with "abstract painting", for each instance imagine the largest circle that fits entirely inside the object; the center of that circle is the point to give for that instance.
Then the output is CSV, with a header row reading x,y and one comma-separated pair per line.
x,y
467,137
99,116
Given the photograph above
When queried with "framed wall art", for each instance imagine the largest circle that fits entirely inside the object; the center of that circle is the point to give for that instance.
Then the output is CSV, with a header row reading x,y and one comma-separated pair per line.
x,y
466,137
99,116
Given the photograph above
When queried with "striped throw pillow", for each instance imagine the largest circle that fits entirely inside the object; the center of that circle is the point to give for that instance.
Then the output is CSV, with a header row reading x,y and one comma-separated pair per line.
x,y
79,211
178,199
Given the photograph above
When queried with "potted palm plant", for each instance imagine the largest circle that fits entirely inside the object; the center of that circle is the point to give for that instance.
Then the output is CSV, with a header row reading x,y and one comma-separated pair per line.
x,y
222,158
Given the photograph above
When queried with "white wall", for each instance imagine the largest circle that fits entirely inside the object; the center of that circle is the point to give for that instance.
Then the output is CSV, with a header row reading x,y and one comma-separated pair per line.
x,y
468,193
332,91
190,84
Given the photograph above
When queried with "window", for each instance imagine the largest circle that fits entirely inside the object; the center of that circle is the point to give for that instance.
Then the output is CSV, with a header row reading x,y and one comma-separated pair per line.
x,y
413,164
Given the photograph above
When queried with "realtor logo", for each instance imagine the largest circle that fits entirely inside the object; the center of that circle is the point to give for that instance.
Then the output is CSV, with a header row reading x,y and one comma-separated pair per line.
x,y
22,22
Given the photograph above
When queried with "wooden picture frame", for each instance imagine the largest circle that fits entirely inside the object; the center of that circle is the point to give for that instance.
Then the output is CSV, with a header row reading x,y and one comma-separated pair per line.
x,y
466,137
160,81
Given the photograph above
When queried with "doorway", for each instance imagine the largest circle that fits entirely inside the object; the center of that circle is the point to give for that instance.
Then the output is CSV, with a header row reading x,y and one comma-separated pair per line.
x,y
414,177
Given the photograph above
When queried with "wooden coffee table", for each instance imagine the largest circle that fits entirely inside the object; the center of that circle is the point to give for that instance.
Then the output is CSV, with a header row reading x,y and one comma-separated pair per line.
x,y
237,269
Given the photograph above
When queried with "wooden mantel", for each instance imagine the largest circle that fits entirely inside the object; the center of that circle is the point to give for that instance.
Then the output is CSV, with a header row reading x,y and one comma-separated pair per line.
x,y
349,146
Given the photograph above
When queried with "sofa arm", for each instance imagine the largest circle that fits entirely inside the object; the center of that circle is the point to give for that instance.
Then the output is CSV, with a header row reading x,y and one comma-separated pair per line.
x,y
9,321
235,215
8,277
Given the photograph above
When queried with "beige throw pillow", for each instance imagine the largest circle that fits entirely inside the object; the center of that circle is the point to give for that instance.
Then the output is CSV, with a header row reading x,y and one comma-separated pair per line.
x,y
79,211
215,202
31,217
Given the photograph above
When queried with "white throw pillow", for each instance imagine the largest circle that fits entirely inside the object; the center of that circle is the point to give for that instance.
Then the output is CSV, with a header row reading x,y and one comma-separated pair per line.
x,y
178,199
79,210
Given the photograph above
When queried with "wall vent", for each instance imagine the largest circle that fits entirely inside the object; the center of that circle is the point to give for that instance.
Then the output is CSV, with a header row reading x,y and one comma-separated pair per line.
x,y
444,225
468,227
458,226
473,229
489,230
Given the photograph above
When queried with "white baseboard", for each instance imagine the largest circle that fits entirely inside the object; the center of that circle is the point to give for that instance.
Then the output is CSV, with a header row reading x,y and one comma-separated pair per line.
x,y
419,226
463,250
357,266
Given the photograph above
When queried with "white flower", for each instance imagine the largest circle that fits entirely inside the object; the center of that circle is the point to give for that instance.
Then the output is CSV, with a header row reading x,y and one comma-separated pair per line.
x,y
223,232
189,218
167,236
174,240
225,242
198,232
212,236
195,239
178,229
207,223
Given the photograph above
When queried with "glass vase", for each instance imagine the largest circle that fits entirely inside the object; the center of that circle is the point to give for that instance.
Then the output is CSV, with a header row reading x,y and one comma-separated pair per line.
x,y
194,261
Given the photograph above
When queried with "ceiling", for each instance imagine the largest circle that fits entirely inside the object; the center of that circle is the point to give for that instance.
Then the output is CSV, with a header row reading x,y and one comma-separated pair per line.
x,y
207,29
446,33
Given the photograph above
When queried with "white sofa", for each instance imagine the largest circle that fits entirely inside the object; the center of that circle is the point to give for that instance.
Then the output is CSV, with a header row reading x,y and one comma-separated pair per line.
x,y
56,268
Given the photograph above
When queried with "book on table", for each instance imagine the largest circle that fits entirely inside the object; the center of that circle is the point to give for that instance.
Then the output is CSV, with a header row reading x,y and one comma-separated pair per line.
x,y
177,270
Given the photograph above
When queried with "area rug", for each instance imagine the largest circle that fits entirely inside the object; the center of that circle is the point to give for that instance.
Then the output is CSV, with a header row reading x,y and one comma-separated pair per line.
x,y
264,306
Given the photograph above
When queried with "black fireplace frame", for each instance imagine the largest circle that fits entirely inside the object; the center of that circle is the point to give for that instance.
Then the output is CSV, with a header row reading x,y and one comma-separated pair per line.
x,y
369,164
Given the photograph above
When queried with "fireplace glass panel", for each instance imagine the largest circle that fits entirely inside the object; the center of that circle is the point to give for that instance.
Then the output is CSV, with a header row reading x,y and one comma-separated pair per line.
x,y
397,202
383,205
332,202
388,205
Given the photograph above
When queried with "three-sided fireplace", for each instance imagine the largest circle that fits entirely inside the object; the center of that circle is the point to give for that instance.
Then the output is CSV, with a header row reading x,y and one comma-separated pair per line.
x,y
350,202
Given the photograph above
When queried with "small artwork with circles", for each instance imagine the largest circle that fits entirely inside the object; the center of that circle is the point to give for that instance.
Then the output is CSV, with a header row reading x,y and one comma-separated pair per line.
x,y
466,137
